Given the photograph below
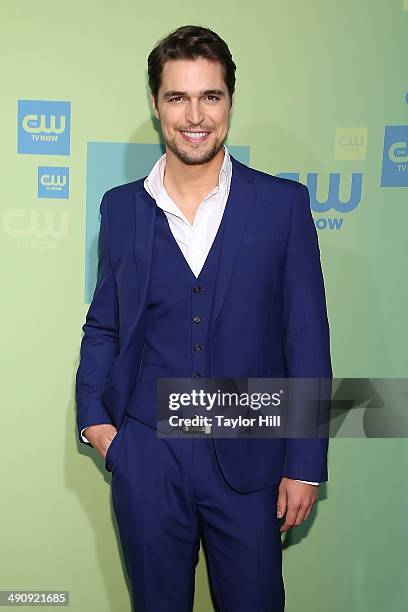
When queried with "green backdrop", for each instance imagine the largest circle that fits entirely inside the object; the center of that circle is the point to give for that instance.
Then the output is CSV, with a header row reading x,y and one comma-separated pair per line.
x,y
321,95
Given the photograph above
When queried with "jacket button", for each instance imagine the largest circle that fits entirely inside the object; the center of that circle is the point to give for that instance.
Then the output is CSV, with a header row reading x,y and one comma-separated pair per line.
x,y
197,319
197,289
197,348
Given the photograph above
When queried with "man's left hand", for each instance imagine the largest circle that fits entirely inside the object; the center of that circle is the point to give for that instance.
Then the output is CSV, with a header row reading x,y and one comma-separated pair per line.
x,y
296,499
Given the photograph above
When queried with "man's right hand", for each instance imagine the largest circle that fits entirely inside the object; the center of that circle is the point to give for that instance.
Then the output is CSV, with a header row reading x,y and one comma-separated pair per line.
x,y
100,436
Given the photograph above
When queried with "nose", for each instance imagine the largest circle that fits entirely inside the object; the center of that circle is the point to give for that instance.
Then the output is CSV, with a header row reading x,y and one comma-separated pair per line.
x,y
194,113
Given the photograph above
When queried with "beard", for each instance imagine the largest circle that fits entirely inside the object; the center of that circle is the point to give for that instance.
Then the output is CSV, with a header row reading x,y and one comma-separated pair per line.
x,y
195,157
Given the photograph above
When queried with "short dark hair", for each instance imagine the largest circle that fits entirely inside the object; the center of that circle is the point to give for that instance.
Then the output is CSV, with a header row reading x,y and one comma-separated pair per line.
x,y
190,42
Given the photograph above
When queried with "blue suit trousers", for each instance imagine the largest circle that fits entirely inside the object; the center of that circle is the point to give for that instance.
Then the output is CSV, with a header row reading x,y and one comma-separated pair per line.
x,y
167,494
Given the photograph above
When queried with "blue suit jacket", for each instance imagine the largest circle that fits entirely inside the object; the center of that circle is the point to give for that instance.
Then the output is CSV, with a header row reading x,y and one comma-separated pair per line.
x,y
269,316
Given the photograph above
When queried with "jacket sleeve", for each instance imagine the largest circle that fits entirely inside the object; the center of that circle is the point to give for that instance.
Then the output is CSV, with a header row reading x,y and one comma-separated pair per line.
x,y
100,343
306,340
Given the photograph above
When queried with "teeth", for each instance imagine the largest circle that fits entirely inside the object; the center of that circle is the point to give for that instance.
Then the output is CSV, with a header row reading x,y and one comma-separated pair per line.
x,y
195,134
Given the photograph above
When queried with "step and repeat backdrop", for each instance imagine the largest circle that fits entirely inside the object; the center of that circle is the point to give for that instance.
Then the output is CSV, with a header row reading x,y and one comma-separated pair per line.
x,y
322,98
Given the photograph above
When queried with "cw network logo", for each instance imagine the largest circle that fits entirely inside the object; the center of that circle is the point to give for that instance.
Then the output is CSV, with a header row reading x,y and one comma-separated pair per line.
x,y
332,201
44,127
36,229
395,157
350,143
53,182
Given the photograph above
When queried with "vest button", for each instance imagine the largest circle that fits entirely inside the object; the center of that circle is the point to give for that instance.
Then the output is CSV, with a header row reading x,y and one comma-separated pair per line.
x,y
197,289
197,348
197,319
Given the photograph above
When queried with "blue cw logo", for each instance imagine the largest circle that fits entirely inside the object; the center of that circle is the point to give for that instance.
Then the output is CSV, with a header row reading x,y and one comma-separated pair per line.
x,y
53,182
44,127
395,157
333,200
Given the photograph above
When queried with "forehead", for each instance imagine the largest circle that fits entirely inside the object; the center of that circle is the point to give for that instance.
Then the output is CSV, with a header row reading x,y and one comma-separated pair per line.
x,y
192,75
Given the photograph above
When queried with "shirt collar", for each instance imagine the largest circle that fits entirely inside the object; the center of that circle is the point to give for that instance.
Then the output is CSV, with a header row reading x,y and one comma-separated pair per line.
x,y
153,183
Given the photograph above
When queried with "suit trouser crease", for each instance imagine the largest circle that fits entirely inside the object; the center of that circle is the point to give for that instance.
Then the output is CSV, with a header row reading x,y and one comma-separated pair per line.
x,y
167,492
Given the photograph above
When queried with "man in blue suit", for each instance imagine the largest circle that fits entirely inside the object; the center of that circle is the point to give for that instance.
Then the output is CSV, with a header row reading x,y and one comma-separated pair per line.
x,y
207,268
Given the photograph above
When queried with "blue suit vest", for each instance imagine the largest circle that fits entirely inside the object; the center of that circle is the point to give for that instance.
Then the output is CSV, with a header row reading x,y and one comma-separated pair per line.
x,y
177,319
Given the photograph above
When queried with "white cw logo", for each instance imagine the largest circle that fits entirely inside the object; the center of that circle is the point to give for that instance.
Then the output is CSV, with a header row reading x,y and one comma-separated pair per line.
x,y
352,141
34,124
53,181
398,152
21,223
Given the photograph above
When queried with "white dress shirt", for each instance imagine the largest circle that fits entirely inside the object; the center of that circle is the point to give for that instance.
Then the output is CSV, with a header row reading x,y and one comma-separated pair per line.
x,y
194,239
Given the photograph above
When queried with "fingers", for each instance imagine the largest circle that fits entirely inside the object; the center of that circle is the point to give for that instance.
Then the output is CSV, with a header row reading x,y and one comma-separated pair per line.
x,y
308,511
281,503
297,513
303,511
290,519
110,438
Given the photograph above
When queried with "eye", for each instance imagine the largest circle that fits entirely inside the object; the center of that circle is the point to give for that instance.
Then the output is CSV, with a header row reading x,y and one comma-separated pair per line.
x,y
213,98
175,99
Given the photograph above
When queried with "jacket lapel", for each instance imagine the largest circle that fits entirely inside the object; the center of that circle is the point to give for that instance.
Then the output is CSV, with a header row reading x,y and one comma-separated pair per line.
x,y
237,210
116,394
145,216
238,207
144,222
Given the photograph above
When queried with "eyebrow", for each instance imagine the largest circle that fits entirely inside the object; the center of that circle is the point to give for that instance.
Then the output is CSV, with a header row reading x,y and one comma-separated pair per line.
x,y
206,92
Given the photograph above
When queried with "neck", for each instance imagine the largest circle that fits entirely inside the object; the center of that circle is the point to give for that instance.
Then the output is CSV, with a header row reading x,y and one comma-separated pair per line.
x,y
186,179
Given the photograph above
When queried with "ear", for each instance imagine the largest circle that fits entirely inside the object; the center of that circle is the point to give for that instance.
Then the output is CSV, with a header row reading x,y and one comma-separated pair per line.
x,y
232,101
155,111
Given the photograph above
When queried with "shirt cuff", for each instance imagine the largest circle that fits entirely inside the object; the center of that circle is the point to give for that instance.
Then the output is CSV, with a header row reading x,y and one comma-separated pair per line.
x,y
307,482
84,438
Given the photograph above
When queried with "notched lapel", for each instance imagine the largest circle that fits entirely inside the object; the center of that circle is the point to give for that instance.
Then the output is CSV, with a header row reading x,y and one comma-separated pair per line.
x,y
239,205
144,221
145,216
122,373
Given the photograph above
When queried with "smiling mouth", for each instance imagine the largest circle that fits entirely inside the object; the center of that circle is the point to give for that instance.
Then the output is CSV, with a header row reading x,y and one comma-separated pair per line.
x,y
191,136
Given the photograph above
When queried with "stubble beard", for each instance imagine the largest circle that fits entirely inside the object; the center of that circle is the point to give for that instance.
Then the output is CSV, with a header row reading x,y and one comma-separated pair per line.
x,y
197,157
